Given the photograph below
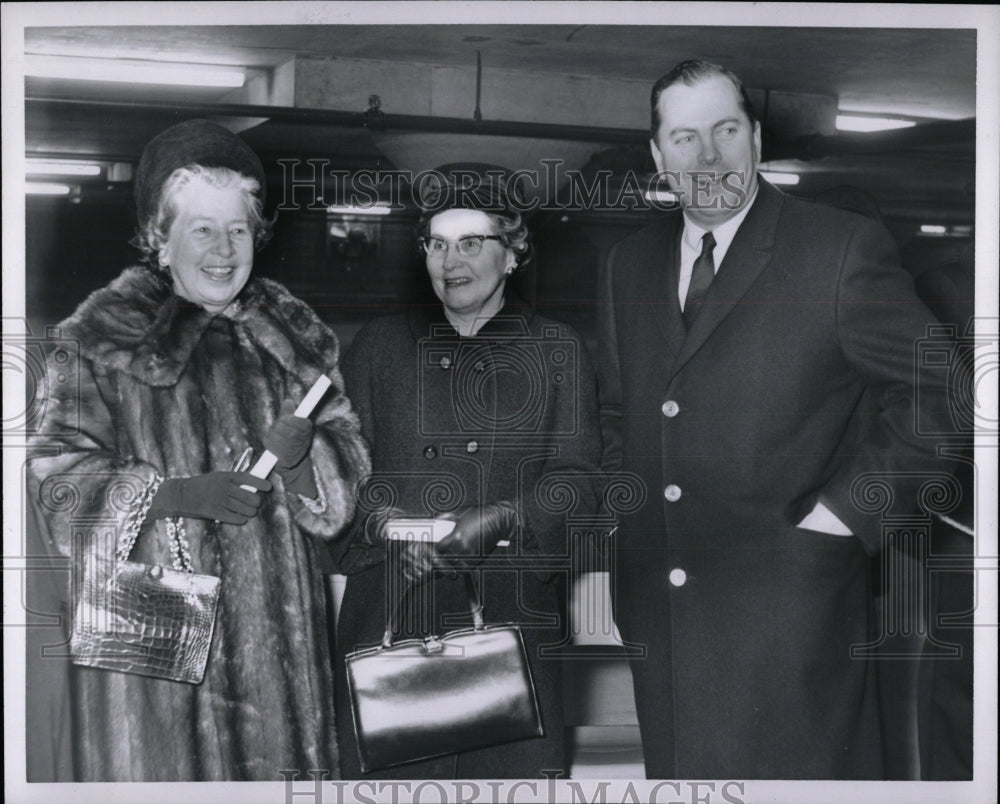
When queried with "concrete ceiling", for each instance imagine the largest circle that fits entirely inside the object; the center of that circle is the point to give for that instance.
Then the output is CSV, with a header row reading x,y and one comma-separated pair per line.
x,y
590,75
927,73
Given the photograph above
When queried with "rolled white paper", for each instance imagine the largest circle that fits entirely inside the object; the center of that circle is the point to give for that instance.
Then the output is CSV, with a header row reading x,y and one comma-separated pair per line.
x,y
265,463
311,400
424,530
267,460
419,530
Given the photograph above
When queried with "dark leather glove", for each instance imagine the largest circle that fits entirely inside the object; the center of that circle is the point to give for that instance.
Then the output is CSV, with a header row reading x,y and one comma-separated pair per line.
x,y
476,533
375,530
416,561
216,495
290,439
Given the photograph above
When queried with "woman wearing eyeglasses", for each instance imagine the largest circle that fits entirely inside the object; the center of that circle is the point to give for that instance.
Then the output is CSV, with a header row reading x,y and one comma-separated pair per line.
x,y
480,412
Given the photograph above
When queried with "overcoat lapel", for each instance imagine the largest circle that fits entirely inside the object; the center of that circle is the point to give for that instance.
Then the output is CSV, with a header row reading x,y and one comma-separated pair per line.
x,y
661,278
747,257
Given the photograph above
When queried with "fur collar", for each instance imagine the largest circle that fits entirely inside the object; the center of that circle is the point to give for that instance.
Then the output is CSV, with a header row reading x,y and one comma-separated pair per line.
x,y
138,325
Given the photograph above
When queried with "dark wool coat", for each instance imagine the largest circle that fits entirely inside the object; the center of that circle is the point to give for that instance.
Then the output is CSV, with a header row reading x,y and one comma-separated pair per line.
x,y
163,387
455,422
795,381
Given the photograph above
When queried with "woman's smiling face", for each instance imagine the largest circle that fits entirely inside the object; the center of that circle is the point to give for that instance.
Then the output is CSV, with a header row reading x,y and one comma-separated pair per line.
x,y
468,286
211,243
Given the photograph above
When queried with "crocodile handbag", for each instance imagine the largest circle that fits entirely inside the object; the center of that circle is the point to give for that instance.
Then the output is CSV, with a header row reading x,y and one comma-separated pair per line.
x,y
146,619
423,698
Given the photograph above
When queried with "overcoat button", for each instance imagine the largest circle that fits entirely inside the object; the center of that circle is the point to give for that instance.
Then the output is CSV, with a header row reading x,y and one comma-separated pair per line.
x,y
672,493
430,452
678,577
670,408
445,362
472,447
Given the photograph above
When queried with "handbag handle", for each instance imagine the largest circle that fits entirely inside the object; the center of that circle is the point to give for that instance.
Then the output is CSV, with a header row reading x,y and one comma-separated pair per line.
x,y
180,549
471,590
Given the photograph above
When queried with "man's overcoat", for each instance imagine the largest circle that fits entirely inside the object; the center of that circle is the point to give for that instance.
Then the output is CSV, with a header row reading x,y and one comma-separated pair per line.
x,y
794,385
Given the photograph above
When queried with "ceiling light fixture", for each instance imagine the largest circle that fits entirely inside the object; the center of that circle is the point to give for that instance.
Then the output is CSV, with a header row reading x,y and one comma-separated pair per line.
x,y
856,122
959,230
132,71
790,179
37,167
46,188
660,196
378,209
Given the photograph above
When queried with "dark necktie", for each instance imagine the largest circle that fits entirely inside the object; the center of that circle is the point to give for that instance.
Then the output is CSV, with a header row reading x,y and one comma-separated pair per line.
x,y
701,278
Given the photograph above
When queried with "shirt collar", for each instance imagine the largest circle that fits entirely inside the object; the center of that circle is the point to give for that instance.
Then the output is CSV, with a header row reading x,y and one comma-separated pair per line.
x,y
723,233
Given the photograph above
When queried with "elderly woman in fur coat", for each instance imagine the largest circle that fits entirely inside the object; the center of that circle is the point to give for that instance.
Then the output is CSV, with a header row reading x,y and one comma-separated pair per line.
x,y
182,366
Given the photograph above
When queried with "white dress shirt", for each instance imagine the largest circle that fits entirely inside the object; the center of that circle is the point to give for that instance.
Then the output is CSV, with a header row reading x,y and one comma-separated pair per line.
x,y
691,245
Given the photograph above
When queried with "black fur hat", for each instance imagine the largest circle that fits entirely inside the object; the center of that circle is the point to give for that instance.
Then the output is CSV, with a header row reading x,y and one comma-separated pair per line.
x,y
200,142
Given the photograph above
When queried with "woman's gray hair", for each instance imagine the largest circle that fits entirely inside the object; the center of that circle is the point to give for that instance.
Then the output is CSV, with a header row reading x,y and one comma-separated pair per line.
x,y
515,234
155,231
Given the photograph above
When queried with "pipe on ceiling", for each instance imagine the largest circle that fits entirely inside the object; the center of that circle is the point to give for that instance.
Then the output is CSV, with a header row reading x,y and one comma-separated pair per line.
x,y
288,114
807,147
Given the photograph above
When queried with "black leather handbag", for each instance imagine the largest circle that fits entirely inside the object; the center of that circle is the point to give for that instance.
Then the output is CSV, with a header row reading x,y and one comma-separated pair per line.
x,y
422,698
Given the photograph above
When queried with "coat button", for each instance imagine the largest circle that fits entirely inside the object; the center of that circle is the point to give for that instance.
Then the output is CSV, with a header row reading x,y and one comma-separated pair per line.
x,y
472,447
672,493
670,408
430,452
445,362
678,577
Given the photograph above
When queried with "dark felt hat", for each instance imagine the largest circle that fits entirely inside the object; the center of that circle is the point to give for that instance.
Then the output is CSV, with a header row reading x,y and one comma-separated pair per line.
x,y
471,185
200,142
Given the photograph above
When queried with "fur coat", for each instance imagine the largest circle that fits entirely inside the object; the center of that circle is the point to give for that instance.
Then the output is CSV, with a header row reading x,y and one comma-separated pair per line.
x,y
161,387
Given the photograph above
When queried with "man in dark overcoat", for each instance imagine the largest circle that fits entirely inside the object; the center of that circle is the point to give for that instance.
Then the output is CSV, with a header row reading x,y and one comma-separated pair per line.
x,y
757,372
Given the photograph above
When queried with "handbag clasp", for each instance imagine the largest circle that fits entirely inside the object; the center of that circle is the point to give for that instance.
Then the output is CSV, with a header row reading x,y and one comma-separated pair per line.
x,y
433,645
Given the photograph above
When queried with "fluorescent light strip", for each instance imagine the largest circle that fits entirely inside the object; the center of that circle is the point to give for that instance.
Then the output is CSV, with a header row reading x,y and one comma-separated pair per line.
x,y
790,179
850,122
935,229
46,188
133,72
660,196
373,210
36,168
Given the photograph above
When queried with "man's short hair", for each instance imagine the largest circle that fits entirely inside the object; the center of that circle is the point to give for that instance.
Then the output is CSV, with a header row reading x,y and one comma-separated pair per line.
x,y
690,72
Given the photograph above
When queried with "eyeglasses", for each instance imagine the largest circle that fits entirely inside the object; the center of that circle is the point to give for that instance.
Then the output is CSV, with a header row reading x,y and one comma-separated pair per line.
x,y
468,246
